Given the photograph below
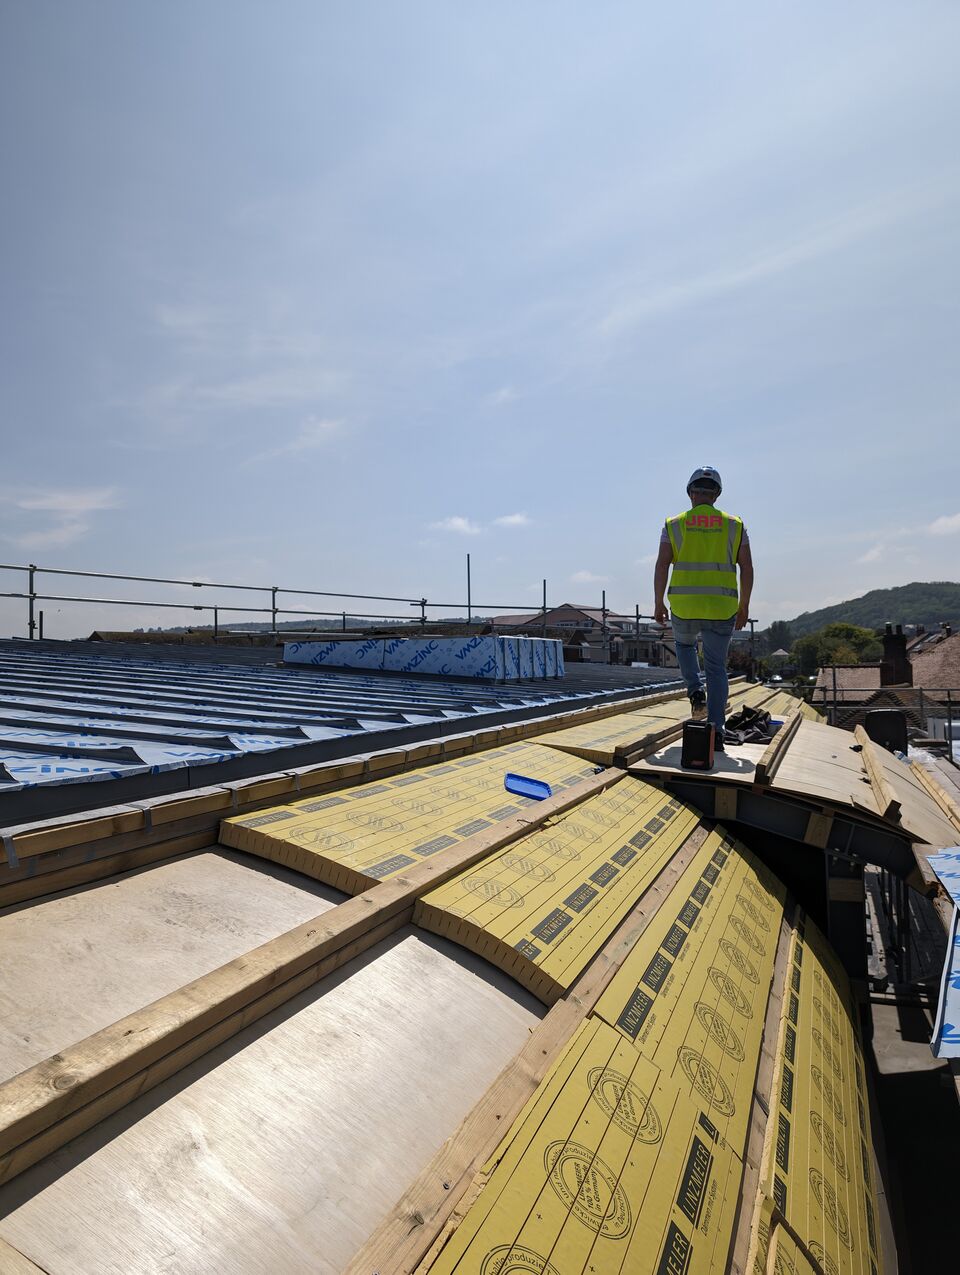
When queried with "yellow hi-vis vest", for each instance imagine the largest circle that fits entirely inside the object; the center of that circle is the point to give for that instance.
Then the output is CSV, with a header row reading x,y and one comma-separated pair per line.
x,y
703,585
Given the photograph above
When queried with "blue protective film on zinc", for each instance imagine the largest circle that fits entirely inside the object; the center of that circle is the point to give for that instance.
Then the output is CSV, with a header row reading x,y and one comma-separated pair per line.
x,y
945,1042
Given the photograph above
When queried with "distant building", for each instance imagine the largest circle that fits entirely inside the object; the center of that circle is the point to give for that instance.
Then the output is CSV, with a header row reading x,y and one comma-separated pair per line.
x,y
914,675
589,633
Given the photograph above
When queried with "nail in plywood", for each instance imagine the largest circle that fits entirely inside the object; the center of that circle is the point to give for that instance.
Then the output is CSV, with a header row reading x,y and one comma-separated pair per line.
x,y
543,908
359,836
887,803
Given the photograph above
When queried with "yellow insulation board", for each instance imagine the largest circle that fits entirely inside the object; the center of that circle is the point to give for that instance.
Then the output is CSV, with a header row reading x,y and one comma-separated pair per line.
x,y
818,1153
612,1168
602,741
786,1258
693,993
543,907
358,836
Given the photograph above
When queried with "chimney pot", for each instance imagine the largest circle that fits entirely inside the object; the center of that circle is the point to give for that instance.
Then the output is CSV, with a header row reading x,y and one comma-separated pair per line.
x,y
889,628
895,667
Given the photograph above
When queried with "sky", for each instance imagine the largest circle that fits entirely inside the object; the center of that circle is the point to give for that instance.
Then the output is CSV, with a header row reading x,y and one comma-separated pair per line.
x,y
328,295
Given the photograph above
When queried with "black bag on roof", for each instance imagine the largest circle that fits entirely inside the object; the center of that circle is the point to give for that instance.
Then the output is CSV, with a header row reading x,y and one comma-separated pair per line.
x,y
750,726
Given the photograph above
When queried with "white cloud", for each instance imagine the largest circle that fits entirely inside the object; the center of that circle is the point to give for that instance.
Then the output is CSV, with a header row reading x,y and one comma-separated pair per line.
x,y
872,555
276,388
505,394
64,501
456,523
646,560
70,509
588,577
315,432
651,299
65,533
948,525
512,520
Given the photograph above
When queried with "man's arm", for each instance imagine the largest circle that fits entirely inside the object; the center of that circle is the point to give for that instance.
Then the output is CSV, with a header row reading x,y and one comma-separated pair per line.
x,y
660,574
745,563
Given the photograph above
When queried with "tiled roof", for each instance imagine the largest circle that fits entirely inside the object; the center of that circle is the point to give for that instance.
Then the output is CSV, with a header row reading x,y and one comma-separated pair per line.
x,y
854,682
939,666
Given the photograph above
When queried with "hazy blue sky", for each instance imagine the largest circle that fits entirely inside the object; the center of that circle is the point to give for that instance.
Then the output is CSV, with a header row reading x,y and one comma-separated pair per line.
x,y
329,294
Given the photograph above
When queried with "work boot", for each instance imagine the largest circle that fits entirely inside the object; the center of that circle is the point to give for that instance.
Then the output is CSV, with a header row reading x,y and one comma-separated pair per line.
x,y
718,742
698,706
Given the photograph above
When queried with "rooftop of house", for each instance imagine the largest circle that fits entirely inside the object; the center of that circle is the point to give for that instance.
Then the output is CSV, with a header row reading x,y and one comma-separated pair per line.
x,y
938,666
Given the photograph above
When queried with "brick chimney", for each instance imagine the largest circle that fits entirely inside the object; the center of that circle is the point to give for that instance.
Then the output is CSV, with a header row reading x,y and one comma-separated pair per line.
x,y
895,669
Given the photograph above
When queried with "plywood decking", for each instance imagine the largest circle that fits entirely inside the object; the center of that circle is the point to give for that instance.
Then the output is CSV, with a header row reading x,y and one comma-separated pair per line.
x,y
359,836
79,961
283,1149
616,738
826,767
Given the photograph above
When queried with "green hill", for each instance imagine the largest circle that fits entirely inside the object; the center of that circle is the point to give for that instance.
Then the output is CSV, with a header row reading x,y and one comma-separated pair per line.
x,y
916,603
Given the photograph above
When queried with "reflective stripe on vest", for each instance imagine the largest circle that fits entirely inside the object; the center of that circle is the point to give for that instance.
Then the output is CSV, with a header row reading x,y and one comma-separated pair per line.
x,y
705,543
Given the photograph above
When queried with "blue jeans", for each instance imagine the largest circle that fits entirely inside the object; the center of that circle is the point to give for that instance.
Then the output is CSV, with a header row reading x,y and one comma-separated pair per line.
x,y
715,635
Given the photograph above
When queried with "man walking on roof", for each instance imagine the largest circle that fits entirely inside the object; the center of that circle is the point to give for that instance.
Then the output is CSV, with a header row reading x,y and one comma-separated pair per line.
x,y
705,546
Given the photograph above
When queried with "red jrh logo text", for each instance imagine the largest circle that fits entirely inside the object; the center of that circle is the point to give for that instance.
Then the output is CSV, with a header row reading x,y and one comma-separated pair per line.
x,y
699,521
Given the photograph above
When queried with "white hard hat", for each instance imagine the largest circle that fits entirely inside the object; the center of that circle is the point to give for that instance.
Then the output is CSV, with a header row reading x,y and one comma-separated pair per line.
x,y
705,474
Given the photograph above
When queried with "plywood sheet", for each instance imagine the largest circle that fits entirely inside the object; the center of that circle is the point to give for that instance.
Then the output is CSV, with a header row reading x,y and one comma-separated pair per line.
x,y
737,764
920,814
818,1155
782,703
611,1167
543,907
692,995
601,741
358,836
78,961
284,1148
824,765
604,740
